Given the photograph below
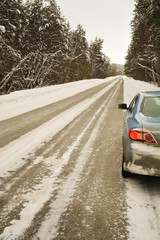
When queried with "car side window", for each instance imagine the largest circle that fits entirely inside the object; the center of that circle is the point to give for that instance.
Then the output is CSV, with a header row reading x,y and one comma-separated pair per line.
x,y
151,107
133,103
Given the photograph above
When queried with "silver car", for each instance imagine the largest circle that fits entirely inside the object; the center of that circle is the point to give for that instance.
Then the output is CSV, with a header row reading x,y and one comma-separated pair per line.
x,y
141,135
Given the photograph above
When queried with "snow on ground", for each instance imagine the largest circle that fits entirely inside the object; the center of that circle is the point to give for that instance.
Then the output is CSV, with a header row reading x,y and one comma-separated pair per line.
x,y
132,87
12,155
141,212
48,228
30,140
23,101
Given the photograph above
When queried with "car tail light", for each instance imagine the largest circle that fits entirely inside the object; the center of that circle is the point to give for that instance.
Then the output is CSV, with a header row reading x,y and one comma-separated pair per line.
x,y
142,136
148,137
135,135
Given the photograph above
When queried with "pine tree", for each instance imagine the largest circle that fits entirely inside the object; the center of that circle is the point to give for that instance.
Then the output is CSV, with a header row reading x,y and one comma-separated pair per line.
x,y
138,47
100,62
37,47
153,17
78,63
55,37
10,37
34,20
142,61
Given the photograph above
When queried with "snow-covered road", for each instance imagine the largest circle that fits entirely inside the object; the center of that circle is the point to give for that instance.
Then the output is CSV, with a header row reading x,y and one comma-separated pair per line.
x,y
60,165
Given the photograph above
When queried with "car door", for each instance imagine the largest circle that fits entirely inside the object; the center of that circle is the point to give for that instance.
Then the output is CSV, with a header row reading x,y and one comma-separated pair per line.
x,y
128,115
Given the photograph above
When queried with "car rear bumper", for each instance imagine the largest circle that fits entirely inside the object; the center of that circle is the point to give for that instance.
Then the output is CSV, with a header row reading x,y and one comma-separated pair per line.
x,y
143,159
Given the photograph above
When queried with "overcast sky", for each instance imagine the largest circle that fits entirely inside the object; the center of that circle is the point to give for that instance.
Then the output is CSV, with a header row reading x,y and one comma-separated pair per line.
x,y
106,19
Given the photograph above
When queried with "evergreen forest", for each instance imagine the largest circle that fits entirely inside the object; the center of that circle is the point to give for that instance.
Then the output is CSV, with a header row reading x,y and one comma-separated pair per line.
x,y
143,57
38,47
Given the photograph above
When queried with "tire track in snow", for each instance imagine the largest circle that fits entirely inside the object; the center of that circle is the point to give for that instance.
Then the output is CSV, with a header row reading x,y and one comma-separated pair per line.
x,y
47,182
49,227
143,210
13,128
98,208
15,153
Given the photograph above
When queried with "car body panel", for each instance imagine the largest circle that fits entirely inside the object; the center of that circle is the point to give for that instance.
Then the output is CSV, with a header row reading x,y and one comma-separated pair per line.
x,y
153,124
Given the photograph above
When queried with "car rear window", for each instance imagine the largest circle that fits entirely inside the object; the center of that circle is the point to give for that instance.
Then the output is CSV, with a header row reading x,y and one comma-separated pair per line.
x,y
151,107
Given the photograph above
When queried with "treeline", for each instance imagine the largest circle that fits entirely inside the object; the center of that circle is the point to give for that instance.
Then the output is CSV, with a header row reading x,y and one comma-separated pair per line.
x,y
38,48
143,58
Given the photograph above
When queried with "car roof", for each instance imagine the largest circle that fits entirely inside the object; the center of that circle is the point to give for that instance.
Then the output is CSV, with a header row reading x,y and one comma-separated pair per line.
x,y
151,93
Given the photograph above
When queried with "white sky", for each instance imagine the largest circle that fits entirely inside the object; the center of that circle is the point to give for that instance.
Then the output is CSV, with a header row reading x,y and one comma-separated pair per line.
x,y
106,19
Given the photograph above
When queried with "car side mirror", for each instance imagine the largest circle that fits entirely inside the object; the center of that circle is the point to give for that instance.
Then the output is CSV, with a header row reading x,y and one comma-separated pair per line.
x,y
123,106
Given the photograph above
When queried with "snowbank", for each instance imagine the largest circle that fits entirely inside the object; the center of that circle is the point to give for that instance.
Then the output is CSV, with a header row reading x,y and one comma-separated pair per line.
x,y
132,87
23,101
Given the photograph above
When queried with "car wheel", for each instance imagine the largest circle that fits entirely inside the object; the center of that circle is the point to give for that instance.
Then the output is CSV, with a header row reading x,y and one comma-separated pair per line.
x,y
125,174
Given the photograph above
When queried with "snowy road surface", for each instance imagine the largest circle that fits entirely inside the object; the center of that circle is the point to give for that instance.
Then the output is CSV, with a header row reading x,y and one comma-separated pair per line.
x,y
60,165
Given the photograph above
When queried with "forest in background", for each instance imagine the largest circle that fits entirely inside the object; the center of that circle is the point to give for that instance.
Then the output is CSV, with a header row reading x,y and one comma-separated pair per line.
x,y
38,48
143,58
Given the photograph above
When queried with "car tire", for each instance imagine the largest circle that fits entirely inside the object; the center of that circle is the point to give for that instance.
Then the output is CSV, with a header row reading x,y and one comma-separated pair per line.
x,y
125,174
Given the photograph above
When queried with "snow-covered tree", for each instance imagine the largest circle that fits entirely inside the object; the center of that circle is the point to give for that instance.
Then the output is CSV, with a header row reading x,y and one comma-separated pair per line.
x,y
99,61
153,17
37,47
142,61
54,33
78,64
11,18
10,36
34,20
